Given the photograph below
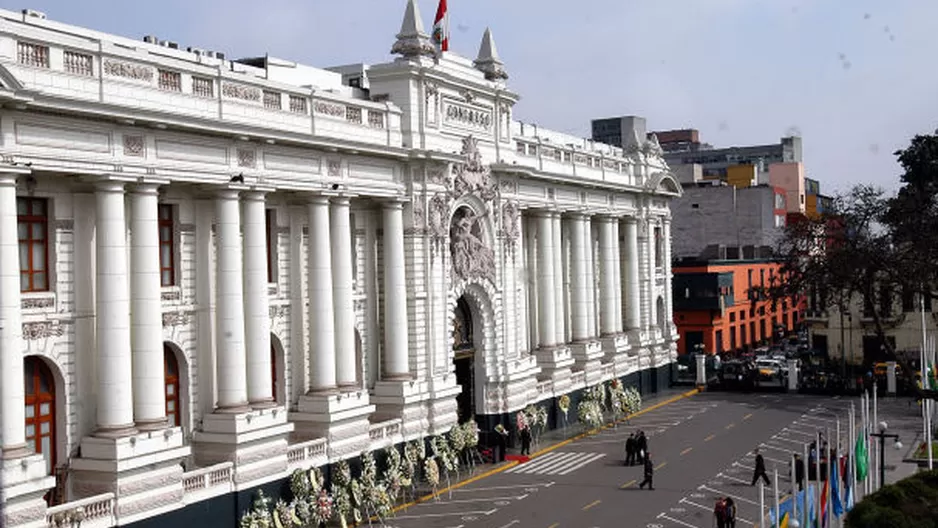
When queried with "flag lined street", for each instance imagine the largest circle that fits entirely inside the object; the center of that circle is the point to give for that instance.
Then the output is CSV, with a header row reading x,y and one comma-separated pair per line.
x,y
698,458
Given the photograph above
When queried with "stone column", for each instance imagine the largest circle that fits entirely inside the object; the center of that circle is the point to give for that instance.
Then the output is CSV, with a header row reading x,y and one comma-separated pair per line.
x,y
579,276
666,266
560,310
617,273
149,383
633,306
545,281
607,319
396,360
346,373
321,312
590,279
256,301
115,402
530,223
231,359
12,403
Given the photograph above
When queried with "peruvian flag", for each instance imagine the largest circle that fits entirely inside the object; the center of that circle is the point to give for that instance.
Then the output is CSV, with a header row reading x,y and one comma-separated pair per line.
x,y
441,27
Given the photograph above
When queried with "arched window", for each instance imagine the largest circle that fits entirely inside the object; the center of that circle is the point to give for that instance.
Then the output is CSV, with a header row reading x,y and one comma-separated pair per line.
x,y
273,371
462,327
40,409
171,375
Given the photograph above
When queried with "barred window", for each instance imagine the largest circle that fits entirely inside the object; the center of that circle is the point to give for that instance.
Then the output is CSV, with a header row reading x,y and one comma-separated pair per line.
x,y
353,114
32,54
203,87
297,104
375,119
272,100
79,63
170,81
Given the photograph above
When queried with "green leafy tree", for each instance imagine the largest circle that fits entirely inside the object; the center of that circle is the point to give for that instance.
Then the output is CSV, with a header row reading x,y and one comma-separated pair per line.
x,y
909,503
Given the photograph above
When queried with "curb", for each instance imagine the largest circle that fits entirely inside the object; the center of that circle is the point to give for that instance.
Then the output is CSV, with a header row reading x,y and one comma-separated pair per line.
x,y
548,449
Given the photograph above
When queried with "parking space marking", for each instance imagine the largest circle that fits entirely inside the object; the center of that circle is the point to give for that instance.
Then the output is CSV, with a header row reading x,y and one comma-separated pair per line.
x,y
661,465
493,488
720,492
748,416
730,426
447,514
730,477
676,521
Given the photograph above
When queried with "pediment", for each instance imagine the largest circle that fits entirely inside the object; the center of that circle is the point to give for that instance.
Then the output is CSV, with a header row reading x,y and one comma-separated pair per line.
x,y
664,183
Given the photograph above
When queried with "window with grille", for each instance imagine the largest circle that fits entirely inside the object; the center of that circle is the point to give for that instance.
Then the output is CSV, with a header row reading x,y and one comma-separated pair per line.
x,y
353,114
32,54
203,87
167,246
272,100
170,81
32,223
79,63
375,119
297,104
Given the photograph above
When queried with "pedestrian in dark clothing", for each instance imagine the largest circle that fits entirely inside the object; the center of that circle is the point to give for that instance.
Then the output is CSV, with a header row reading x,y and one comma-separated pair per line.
x,y
630,450
649,473
641,446
799,472
526,441
729,512
719,513
759,470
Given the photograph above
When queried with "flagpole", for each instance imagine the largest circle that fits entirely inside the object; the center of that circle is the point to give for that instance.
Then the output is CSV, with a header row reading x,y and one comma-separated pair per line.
x,y
778,518
928,404
837,455
761,504
807,487
828,475
794,487
817,477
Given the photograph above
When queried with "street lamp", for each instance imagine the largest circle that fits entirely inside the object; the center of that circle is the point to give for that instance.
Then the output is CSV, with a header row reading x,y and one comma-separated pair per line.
x,y
882,435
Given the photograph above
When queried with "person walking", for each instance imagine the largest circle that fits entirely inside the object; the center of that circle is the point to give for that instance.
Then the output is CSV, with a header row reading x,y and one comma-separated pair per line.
x,y
630,450
759,470
729,513
719,513
526,441
799,472
641,447
649,473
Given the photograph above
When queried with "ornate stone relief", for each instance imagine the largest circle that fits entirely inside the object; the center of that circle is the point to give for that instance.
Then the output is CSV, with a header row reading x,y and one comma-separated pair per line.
x,y
38,303
136,72
41,330
473,177
472,258
175,319
239,91
432,102
329,109
170,295
278,311
247,158
437,214
334,168
508,187
436,174
419,211
463,115
134,145
511,215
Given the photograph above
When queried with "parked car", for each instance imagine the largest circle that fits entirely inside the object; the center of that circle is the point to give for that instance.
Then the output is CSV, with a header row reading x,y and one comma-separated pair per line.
x,y
736,374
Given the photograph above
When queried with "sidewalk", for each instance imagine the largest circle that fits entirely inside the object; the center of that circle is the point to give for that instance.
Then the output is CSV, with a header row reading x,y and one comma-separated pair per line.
x,y
906,421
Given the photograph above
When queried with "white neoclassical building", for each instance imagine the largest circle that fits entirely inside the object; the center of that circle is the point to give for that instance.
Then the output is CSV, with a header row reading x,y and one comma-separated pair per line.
x,y
215,271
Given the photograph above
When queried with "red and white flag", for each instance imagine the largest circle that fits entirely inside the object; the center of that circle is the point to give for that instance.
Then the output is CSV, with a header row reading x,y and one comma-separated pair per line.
x,y
441,27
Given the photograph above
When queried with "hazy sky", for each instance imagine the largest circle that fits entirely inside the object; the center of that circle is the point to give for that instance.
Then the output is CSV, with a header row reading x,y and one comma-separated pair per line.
x,y
855,78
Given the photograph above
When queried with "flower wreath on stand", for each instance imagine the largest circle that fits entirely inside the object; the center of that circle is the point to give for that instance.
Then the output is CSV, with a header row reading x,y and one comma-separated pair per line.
x,y
393,478
414,453
259,516
341,493
457,445
444,458
470,432
564,405
617,400
432,471
632,400
536,418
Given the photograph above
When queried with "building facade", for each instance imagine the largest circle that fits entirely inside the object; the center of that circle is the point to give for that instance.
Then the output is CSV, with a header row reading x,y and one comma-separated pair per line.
x,y
216,272
718,307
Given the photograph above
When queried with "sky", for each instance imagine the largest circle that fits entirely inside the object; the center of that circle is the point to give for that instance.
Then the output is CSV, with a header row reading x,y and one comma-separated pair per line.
x,y
856,79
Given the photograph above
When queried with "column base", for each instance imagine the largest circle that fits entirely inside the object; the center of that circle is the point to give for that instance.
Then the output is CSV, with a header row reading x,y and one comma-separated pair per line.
x,y
614,345
16,451
142,470
120,431
587,350
254,441
152,425
268,403
342,419
24,482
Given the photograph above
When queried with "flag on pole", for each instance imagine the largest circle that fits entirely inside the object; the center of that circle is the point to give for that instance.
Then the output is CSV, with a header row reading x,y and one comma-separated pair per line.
x,y
861,457
441,27
825,494
836,504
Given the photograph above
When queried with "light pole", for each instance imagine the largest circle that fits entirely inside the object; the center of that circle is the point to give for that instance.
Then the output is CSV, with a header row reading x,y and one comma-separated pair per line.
x,y
882,435
843,343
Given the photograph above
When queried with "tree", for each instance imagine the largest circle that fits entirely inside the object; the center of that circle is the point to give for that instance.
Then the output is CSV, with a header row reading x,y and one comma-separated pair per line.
x,y
869,245
910,503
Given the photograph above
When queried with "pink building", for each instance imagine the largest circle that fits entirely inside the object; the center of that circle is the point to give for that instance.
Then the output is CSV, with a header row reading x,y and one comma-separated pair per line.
x,y
790,178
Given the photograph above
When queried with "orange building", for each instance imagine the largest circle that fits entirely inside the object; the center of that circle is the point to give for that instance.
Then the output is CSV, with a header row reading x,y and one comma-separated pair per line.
x,y
717,304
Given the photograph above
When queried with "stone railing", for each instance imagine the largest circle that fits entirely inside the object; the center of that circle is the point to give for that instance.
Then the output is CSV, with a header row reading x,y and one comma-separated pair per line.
x,y
91,512
608,371
545,389
208,482
306,454
387,433
578,379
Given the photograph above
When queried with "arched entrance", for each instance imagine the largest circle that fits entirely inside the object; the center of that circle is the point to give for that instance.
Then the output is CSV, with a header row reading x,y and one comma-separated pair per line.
x,y
172,384
464,359
40,409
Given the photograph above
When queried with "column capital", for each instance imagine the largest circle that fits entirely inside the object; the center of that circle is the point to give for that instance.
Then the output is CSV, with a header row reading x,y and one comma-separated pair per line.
x,y
254,195
110,186
8,177
146,187
342,200
394,203
629,219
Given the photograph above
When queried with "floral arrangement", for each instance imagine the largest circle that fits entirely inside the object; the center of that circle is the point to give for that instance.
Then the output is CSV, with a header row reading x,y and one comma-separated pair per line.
x,y
590,413
283,514
500,429
433,472
300,485
521,421
564,404
457,440
259,516
631,400
471,434
343,473
341,503
322,510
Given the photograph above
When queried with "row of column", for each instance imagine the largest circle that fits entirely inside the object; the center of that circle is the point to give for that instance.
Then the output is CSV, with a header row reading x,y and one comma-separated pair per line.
x,y
551,307
331,310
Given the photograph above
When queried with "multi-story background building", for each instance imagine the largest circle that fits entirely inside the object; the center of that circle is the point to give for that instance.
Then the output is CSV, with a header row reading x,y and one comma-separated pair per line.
x,y
215,272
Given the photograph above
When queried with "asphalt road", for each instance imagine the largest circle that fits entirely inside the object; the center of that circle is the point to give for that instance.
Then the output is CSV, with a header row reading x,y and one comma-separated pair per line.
x,y
702,449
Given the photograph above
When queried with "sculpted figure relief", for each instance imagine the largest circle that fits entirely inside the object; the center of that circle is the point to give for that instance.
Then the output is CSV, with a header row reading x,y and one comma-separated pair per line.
x,y
473,176
471,255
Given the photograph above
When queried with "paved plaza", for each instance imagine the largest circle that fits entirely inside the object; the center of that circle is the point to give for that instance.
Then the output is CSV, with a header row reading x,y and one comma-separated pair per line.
x,y
702,447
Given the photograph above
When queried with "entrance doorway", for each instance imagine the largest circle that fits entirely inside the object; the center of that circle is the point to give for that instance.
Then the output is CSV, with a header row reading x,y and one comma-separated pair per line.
x,y
464,360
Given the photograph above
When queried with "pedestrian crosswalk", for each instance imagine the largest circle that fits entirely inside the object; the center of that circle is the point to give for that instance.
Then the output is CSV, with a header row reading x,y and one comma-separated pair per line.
x,y
556,463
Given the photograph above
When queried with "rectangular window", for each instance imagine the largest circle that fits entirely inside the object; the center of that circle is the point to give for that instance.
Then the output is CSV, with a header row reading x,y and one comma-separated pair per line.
x,y
353,115
272,100
32,224
79,63
167,246
732,317
659,249
375,119
203,87
297,104
271,245
32,54
170,80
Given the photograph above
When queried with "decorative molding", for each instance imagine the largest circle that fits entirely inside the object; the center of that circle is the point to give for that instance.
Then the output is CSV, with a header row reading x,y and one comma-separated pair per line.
x,y
172,319
23,516
150,503
329,109
511,215
472,257
508,187
148,484
247,158
437,217
437,174
473,176
41,330
239,91
186,228
171,295
334,168
38,303
419,210
467,116
134,145
127,70
278,311
242,477
64,224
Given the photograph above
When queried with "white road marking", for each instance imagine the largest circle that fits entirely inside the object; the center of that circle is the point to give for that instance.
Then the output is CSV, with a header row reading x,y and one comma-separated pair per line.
x,y
779,438
556,463
676,521
452,514
734,478
512,523
741,499
469,501
573,468
493,488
